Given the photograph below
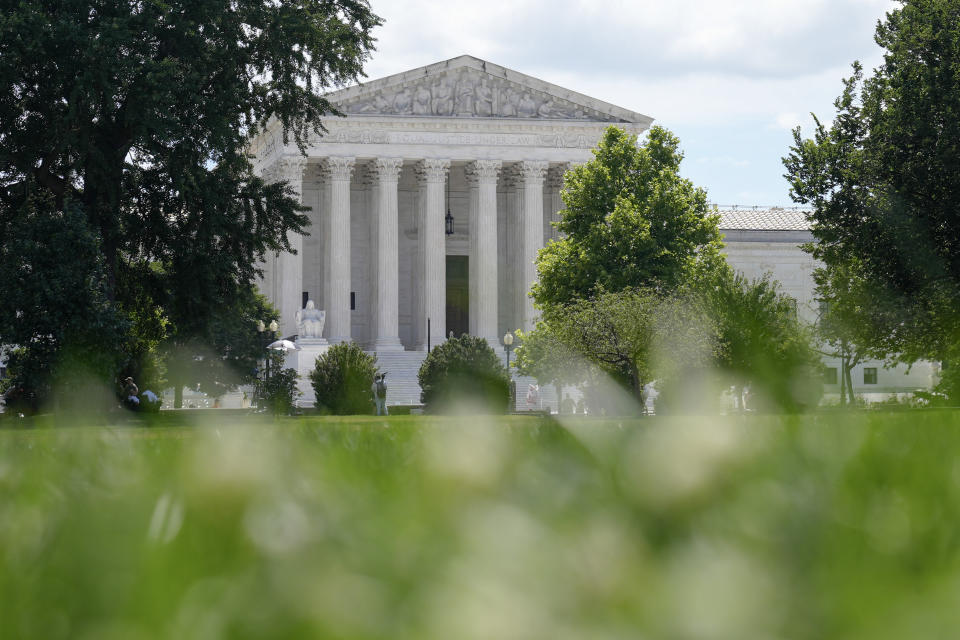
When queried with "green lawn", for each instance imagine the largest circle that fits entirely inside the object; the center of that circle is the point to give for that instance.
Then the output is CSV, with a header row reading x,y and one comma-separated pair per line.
x,y
827,526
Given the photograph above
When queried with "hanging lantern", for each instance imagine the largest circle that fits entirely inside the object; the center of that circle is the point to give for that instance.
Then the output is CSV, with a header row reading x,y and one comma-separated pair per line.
x,y
449,217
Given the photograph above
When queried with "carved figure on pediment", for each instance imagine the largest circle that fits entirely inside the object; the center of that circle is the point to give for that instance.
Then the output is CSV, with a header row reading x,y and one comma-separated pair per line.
x,y
379,104
310,321
382,103
547,109
465,97
508,108
484,107
442,99
403,102
421,101
527,107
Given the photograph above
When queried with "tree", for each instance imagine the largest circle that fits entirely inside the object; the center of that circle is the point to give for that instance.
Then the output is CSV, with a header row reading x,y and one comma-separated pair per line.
x,y
343,378
883,180
850,326
634,336
54,302
543,355
137,116
280,391
630,221
759,339
228,352
464,371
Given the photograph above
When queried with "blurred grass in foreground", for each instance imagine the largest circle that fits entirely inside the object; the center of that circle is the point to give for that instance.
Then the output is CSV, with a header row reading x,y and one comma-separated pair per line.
x,y
832,526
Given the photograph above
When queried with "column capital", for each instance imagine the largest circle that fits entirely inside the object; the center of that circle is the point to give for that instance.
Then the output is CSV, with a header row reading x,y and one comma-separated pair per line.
x,y
385,169
337,167
555,175
432,170
482,171
289,168
531,171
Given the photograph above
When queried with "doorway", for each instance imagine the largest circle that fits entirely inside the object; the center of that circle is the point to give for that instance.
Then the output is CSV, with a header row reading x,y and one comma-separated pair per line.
x,y
458,295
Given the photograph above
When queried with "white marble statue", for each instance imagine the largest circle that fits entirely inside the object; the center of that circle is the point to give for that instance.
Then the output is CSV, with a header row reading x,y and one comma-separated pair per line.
x,y
310,321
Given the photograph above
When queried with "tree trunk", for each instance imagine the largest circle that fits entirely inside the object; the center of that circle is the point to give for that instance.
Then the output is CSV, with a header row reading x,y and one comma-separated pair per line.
x,y
177,394
849,382
843,381
637,385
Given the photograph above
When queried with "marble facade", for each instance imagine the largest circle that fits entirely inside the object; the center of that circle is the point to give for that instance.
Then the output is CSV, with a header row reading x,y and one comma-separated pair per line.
x,y
489,146
482,142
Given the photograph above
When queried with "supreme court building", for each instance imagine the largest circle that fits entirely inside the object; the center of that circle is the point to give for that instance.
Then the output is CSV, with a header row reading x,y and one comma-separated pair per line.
x,y
430,199
466,137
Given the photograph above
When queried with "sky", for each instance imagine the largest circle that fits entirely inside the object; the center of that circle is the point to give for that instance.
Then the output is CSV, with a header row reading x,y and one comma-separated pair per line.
x,y
729,78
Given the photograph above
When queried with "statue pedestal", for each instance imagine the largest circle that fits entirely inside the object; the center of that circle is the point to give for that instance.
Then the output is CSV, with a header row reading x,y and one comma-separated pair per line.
x,y
303,361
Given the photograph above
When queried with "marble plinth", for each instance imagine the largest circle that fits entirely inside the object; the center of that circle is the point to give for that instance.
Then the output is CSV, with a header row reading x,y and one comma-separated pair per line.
x,y
303,361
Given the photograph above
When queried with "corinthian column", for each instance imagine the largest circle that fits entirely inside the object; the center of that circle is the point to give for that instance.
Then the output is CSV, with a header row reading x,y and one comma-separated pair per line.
x,y
530,176
289,264
482,177
336,173
555,204
431,253
385,173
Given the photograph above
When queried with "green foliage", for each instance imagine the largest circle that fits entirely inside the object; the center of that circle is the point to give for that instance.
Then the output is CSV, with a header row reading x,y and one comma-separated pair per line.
x,y
851,326
54,305
760,340
464,373
137,115
228,351
726,328
883,180
840,525
634,336
542,354
630,221
343,378
280,391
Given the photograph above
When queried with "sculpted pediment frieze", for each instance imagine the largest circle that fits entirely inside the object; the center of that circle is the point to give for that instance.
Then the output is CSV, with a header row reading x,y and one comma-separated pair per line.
x,y
469,93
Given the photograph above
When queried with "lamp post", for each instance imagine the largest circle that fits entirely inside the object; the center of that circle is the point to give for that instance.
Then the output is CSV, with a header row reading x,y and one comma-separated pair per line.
x,y
274,327
265,339
508,345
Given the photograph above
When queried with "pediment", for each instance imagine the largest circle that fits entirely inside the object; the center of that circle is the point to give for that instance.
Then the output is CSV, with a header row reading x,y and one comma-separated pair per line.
x,y
467,87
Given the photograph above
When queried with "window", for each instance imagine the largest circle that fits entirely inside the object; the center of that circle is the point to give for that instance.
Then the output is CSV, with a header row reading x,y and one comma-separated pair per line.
x,y
353,301
869,375
830,375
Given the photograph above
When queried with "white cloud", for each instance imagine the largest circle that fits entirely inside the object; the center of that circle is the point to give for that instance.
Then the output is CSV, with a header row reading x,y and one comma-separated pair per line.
x,y
789,120
742,65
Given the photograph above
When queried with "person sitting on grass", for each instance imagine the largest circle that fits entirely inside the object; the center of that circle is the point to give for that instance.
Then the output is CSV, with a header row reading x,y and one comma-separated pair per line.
x,y
131,393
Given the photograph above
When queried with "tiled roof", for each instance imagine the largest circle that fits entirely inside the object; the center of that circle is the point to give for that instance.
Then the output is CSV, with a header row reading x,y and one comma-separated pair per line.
x,y
763,219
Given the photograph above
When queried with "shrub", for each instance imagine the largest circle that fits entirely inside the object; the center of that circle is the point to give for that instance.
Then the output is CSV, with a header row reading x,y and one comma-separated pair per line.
x,y
342,379
464,371
280,391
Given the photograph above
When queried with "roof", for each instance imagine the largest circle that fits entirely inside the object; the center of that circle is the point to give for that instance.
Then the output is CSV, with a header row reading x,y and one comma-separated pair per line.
x,y
465,72
763,219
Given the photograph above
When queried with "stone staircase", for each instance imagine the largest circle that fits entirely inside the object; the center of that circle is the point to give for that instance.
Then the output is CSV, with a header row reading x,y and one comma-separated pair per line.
x,y
402,367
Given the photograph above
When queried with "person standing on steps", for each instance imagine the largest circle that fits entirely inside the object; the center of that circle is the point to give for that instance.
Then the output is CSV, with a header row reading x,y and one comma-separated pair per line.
x,y
380,394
